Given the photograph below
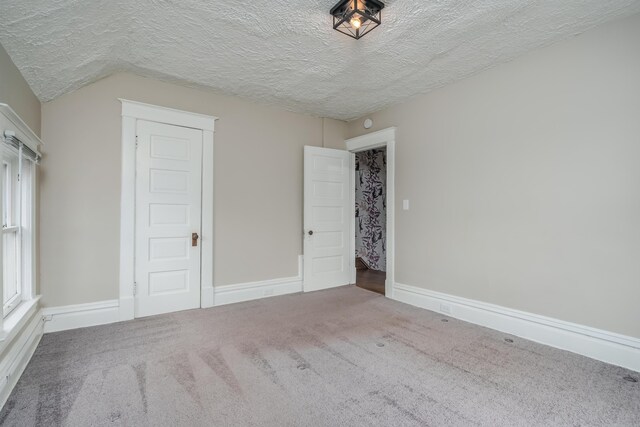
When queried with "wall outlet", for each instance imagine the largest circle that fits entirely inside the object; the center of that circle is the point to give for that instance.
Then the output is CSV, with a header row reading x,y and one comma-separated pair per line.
x,y
445,308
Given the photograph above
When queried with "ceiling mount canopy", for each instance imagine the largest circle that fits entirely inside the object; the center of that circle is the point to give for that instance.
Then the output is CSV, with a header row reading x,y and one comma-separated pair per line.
x,y
356,18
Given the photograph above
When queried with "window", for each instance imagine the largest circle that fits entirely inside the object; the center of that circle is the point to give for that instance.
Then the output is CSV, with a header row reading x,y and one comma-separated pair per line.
x,y
17,229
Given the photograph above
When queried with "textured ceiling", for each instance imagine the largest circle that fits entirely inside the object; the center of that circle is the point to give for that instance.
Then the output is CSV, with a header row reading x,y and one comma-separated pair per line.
x,y
284,52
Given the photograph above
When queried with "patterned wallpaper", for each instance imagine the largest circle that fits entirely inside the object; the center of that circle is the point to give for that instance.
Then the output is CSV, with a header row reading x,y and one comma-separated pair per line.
x,y
371,207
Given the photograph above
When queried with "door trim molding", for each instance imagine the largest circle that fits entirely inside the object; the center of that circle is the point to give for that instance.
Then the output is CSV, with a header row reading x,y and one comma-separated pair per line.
x,y
382,138
170,116
132,111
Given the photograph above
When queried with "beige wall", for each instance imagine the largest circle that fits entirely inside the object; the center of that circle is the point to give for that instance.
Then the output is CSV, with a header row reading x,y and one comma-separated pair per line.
x,y
334,132
524,182
15,91
258,185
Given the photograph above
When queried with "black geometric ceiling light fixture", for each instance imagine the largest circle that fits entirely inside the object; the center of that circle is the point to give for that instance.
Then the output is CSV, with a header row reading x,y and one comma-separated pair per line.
x,y
356,18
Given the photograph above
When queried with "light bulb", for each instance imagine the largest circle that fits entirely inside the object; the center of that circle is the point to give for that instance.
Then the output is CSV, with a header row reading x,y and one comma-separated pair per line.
x,y
355,23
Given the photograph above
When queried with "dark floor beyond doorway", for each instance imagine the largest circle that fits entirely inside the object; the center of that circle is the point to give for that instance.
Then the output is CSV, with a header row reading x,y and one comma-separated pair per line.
x,y
371,280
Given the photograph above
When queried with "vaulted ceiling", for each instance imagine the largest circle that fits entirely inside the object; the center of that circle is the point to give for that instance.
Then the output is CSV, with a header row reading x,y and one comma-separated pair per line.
x,y
284,52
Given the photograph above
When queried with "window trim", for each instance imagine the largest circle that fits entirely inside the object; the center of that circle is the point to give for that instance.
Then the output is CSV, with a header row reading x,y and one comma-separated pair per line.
x,y
29,207
13,186
20,216
23,188
10,212
11,124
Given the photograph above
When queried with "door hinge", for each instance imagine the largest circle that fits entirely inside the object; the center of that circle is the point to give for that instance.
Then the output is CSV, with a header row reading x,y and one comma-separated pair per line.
x,y
135,288
136,141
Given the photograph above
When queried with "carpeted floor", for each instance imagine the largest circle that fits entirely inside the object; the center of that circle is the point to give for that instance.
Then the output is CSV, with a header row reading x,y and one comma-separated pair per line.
x,y
342,357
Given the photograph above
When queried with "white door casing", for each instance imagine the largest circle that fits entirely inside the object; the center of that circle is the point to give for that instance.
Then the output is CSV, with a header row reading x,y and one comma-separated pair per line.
x,y
382,138
168,211
327,222
132,112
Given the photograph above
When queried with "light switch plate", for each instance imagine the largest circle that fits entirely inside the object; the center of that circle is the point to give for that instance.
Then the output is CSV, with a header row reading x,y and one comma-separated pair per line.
x,y
405,205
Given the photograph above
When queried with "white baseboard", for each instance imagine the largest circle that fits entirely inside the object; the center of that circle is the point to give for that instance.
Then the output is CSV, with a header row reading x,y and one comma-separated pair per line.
x,y
17,357
103,312
240,292
80,315
595,343
255,290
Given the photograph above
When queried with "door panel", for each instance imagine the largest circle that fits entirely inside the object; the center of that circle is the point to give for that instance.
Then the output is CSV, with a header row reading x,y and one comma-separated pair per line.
x,y
168,210
327,180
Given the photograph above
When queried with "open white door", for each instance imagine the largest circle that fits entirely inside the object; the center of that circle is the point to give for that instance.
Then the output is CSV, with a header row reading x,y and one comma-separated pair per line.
x,y
168,218
327,218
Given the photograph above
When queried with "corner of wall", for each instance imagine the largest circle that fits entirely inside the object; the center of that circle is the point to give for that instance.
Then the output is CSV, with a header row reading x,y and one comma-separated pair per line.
x,y
334,132
16,92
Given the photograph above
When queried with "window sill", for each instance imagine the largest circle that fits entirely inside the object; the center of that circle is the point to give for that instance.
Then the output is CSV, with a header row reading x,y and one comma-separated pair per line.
x,y
17,320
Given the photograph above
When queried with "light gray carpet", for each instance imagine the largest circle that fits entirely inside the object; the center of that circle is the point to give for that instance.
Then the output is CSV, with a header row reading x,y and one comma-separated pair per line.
x,y
342,357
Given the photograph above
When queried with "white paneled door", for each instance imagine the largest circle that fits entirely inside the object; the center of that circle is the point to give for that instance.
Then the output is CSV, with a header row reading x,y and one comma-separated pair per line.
x,y
168,218
327,218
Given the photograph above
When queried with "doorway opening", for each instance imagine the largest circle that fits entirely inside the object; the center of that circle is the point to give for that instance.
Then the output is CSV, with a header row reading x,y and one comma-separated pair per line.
x,y
371,219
